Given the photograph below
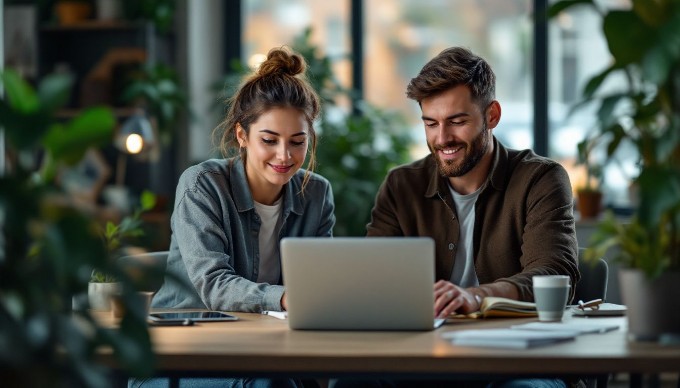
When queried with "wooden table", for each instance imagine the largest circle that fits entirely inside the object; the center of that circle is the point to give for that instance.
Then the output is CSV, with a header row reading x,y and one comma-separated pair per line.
x,y
261,345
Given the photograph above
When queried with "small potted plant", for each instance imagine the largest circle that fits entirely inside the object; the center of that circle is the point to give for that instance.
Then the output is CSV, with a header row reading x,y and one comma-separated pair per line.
x,y
589,195
71,12
104,285
101,289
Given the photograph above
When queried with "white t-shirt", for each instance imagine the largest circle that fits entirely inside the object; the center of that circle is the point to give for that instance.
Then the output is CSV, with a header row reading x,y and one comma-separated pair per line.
x,y
463,273
270,264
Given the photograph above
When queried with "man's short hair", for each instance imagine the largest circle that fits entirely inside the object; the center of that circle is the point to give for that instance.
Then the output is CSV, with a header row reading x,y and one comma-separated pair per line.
x,y
453,67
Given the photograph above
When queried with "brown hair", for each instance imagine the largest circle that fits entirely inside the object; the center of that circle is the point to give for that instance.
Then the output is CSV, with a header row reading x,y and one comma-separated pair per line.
x,y
279,82
450,68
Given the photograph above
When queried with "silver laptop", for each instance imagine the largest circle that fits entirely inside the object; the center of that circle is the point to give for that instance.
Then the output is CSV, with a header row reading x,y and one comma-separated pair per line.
x,y
354,283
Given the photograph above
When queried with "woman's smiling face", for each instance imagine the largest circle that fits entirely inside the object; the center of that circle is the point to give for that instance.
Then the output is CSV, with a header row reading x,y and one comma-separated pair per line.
x,y
276,147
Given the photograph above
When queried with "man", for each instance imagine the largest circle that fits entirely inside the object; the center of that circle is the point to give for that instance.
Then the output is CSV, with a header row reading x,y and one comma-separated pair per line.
x,y
497,216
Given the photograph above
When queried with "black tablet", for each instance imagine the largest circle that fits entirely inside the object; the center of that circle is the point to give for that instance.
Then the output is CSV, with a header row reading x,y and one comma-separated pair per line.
x,y
196,316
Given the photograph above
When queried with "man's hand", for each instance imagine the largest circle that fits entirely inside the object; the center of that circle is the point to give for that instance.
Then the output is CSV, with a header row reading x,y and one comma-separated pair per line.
x,y
449,298
284,302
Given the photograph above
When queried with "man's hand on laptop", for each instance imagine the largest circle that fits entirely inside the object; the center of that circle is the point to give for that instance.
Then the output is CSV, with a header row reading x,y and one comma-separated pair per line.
x,y
449,298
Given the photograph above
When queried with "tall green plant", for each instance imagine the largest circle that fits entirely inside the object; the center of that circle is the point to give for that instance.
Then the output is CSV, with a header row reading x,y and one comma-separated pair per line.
x,y
644,42
356,148
48,248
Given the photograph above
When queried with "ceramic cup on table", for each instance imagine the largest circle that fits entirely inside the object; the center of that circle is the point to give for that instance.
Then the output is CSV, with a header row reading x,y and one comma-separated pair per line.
x,y
119,309
551,293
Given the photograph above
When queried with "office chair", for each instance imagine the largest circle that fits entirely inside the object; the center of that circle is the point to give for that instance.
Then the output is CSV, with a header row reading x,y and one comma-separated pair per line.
x,y
592,285
594,279
147,270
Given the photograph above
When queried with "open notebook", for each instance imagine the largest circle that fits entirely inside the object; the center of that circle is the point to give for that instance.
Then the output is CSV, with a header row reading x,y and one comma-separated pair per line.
x,y
351,283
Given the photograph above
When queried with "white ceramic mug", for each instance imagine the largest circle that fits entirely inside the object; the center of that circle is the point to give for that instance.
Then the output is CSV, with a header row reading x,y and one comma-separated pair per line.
x,y
551,293
118,308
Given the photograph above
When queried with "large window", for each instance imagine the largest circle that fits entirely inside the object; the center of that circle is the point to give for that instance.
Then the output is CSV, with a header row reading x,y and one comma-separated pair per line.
x,y
402,35
272,23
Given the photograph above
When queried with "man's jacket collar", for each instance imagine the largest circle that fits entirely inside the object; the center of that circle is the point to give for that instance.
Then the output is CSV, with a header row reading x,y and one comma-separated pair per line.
x,y
498,172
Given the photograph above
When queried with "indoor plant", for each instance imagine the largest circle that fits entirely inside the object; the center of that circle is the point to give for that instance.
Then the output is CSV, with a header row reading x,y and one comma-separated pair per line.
x,y
589,194
103,285
157,89
643,42
49,248
160,12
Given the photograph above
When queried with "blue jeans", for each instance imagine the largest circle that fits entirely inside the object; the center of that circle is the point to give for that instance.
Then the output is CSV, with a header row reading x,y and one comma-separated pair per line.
x,y
528,383
510,383
164,382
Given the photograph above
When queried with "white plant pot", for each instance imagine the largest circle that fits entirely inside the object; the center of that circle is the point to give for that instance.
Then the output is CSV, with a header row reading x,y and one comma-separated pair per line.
x,y
653,306
100,294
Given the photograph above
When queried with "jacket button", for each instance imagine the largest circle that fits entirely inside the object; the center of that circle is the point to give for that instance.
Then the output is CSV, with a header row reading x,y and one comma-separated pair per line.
x,y
451,246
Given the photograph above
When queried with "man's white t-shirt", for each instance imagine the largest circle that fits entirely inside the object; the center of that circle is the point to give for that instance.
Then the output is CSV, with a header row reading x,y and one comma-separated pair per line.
x,y
464,274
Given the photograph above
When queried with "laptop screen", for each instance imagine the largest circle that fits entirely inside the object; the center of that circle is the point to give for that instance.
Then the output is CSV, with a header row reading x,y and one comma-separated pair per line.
x,y
355,283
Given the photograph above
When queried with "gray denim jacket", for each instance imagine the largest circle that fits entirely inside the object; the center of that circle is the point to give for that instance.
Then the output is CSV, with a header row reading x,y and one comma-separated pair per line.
x,y
215,230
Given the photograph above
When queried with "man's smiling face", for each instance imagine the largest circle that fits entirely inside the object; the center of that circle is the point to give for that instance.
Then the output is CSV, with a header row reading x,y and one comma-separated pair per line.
x,y
456,131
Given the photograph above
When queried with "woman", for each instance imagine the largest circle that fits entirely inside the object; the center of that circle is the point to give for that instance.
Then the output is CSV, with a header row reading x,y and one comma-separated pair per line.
x,y
230,213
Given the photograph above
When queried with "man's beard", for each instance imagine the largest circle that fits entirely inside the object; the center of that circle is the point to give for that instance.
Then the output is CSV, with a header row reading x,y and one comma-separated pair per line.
x,y
473,154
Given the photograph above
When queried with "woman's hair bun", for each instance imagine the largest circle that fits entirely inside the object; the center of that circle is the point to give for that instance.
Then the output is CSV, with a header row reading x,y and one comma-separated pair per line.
x,y
281,60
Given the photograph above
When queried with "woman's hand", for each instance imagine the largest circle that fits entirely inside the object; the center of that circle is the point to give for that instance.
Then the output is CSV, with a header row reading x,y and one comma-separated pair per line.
x,y
284,302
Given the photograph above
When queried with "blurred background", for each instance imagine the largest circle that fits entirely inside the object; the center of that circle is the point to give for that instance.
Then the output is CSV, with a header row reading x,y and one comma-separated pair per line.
x,y
165,67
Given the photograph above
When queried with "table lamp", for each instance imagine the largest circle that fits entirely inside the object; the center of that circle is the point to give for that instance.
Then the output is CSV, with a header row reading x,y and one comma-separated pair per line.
x,y
135,137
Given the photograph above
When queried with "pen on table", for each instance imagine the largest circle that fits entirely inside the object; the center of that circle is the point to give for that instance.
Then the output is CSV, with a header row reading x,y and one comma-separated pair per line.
x,y
593,304
276,314
171,322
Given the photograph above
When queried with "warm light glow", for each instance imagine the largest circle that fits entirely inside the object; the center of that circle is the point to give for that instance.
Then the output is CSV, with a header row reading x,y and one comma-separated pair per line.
x,y
134,143
256,60
565,20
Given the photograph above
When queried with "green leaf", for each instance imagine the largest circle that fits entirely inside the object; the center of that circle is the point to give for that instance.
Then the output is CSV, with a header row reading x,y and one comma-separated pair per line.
x,y
664,52
627,35
669,142
111,229
618,134
54,91
595,82
20,94
148,200
605,113
23,129
560,6
659,192
69,142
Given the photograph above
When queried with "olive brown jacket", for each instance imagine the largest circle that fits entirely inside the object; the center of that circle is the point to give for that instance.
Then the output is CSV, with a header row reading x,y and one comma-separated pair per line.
x,y
524,222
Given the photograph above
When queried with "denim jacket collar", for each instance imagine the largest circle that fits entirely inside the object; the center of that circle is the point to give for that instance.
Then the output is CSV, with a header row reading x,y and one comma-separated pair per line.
x,y
243,197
